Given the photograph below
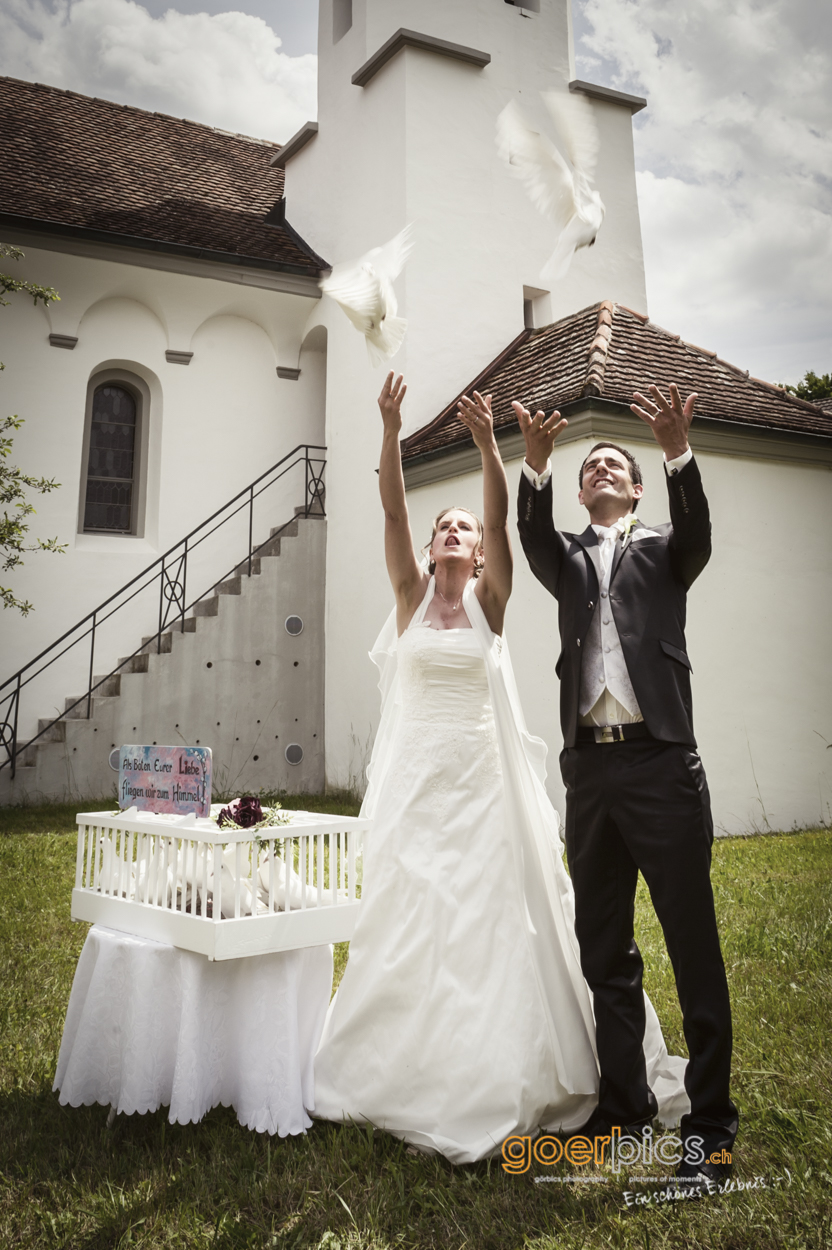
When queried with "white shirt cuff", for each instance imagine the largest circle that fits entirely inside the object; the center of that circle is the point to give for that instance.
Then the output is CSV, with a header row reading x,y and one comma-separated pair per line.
x,y
539,480
672,467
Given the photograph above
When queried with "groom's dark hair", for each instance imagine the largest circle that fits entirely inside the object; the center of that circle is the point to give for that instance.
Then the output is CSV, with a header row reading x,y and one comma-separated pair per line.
x,y
635,468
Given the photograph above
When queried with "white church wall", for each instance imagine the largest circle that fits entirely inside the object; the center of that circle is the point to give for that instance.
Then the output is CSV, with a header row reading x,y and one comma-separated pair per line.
x,y
311,385
416,144
758,625
213,426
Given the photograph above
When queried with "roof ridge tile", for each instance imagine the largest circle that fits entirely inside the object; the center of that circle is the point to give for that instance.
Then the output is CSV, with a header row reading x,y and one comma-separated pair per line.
x,y
677,338
598,349
642,317
793,399
703,351
742,373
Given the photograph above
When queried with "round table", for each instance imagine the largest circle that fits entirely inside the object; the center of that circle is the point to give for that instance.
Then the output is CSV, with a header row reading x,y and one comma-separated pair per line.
x,y
150,1025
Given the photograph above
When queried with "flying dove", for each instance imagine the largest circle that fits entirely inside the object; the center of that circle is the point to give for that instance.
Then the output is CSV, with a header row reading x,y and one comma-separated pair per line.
x,y
558,182
364,289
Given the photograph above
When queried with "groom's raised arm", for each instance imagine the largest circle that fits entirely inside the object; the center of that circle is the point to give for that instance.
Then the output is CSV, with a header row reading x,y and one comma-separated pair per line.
x,y
535,523
670,421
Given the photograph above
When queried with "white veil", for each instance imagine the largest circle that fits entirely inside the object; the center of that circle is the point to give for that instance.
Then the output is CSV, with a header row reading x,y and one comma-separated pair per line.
x,y
537,851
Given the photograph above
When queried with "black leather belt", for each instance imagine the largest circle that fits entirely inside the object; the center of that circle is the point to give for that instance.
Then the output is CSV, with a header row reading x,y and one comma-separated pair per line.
x,y
612,733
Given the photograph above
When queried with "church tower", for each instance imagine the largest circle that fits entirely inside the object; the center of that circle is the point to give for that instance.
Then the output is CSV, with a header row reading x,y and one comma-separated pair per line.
x,y
408,96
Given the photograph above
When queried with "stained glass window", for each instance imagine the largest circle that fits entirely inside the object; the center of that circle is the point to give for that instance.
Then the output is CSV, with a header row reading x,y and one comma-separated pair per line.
x,y
111,466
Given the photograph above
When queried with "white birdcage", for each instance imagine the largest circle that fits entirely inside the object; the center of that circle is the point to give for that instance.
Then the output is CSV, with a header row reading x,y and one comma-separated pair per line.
x,y
224,892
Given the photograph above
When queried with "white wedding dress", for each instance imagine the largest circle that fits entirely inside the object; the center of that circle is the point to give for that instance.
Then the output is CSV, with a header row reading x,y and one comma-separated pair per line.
x,y
463,1017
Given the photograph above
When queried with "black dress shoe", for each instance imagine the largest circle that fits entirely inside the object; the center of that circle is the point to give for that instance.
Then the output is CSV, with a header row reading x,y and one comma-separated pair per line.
x,y
599,1126
706,1177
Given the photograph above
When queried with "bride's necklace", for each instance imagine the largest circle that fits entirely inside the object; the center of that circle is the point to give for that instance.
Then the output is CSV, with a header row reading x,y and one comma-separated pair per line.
x,y
452,606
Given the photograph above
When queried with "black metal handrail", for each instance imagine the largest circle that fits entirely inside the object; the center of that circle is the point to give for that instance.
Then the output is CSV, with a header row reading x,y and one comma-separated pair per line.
x,y
171,570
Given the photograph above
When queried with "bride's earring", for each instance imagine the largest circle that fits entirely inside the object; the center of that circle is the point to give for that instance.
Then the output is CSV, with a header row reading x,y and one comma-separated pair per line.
x,y
431,563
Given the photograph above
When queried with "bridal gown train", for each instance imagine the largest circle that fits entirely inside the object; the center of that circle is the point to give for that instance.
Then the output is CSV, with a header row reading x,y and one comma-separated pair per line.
x,y
463,1017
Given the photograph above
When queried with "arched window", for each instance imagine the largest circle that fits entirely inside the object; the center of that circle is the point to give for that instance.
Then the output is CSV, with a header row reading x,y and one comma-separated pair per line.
x,y
111,488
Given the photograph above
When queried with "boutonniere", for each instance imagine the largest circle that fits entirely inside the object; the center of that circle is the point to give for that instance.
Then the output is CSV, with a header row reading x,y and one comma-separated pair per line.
x,y
628,530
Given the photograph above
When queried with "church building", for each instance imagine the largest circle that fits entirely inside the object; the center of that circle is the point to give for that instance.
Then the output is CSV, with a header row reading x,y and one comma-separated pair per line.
x,y
212,420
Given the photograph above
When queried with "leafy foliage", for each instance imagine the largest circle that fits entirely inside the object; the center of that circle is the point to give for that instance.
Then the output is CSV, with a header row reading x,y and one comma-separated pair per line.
x,y
8,284
813,387
14,525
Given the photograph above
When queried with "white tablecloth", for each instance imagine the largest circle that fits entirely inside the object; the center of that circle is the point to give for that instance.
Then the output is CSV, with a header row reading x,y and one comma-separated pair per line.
x,y
149,1025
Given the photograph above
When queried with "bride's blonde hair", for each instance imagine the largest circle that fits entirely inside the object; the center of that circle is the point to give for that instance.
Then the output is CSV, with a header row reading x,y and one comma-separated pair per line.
x,y
479,558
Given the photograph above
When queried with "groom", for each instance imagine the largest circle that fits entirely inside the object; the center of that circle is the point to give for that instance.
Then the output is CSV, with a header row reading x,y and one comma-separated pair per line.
x,y
636,794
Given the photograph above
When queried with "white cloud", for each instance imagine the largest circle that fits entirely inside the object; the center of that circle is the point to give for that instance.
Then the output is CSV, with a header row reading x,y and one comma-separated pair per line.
x,y
226,70
735,168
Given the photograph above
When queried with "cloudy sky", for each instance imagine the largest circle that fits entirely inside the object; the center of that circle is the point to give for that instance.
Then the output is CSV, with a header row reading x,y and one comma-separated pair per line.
x,y
734,152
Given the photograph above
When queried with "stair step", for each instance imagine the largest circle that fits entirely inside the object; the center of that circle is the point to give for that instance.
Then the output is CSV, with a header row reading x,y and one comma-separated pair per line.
x,y
134,663
107,686
151,643
27,757
234,586
285,531
270,548
79,711
242,569
207,607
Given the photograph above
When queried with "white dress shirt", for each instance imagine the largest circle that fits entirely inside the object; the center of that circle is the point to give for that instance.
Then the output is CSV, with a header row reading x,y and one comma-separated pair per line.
x,y
606,695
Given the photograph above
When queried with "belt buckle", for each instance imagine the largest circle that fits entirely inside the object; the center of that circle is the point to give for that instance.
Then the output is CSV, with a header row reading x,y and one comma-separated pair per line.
x,y
606,733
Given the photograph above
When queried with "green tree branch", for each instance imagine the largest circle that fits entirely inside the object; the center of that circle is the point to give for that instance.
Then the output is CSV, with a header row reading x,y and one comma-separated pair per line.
x,y
813,387
14,483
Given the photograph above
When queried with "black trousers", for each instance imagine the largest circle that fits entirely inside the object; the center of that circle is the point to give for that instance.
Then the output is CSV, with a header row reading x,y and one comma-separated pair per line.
x,y
644,805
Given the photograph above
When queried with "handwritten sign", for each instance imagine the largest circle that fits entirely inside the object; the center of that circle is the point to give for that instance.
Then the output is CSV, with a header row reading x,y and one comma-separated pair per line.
x,y
176,780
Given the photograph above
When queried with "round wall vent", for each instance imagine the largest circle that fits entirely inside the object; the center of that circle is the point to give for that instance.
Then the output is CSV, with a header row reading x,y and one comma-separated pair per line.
x,y
113,758
293,753
294,625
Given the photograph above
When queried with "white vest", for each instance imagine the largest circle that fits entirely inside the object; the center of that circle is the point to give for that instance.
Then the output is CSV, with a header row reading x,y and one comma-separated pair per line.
x,y
603,666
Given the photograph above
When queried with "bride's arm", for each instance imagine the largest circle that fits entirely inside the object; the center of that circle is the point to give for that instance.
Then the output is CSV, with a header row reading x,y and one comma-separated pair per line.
x,y
407,578
494,584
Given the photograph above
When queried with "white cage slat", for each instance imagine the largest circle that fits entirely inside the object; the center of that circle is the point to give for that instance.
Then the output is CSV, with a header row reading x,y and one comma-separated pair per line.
x,y
79,862
171,879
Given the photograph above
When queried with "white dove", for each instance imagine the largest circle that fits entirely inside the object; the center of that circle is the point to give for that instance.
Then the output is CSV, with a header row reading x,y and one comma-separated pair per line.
x,y
559,186
364,289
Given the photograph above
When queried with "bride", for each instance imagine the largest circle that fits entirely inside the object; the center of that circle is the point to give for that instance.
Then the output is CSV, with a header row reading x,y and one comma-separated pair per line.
x,y
463,1016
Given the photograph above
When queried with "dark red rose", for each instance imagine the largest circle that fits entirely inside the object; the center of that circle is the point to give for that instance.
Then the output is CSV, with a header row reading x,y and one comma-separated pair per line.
x,y
243,812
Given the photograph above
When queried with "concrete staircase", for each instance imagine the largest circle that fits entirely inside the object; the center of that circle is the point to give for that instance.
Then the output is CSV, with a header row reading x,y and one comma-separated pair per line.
x,y
234,679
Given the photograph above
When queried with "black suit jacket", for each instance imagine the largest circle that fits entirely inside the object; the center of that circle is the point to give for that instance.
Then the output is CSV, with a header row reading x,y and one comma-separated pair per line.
x,y
648,597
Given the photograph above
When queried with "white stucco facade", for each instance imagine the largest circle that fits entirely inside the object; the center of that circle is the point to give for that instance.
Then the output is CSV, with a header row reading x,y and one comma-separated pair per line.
x,y
758,627
417,144
414,144
208,428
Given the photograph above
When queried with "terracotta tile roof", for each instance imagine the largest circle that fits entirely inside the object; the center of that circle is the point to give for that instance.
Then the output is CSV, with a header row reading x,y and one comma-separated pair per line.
x,y
110,169
608,351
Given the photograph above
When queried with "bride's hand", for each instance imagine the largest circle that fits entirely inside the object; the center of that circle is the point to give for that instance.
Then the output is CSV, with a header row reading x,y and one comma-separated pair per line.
x,y
476,414
390,401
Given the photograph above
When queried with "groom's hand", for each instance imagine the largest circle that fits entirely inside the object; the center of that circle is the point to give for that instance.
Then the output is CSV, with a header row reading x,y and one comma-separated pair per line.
x,y
669,422
539,432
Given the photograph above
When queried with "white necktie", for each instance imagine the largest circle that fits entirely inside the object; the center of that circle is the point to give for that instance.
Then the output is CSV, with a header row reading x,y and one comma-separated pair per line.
x,y
607,539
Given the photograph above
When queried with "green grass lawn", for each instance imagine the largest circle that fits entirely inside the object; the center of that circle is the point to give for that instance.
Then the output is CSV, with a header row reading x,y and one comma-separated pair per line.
x,y
68,1181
